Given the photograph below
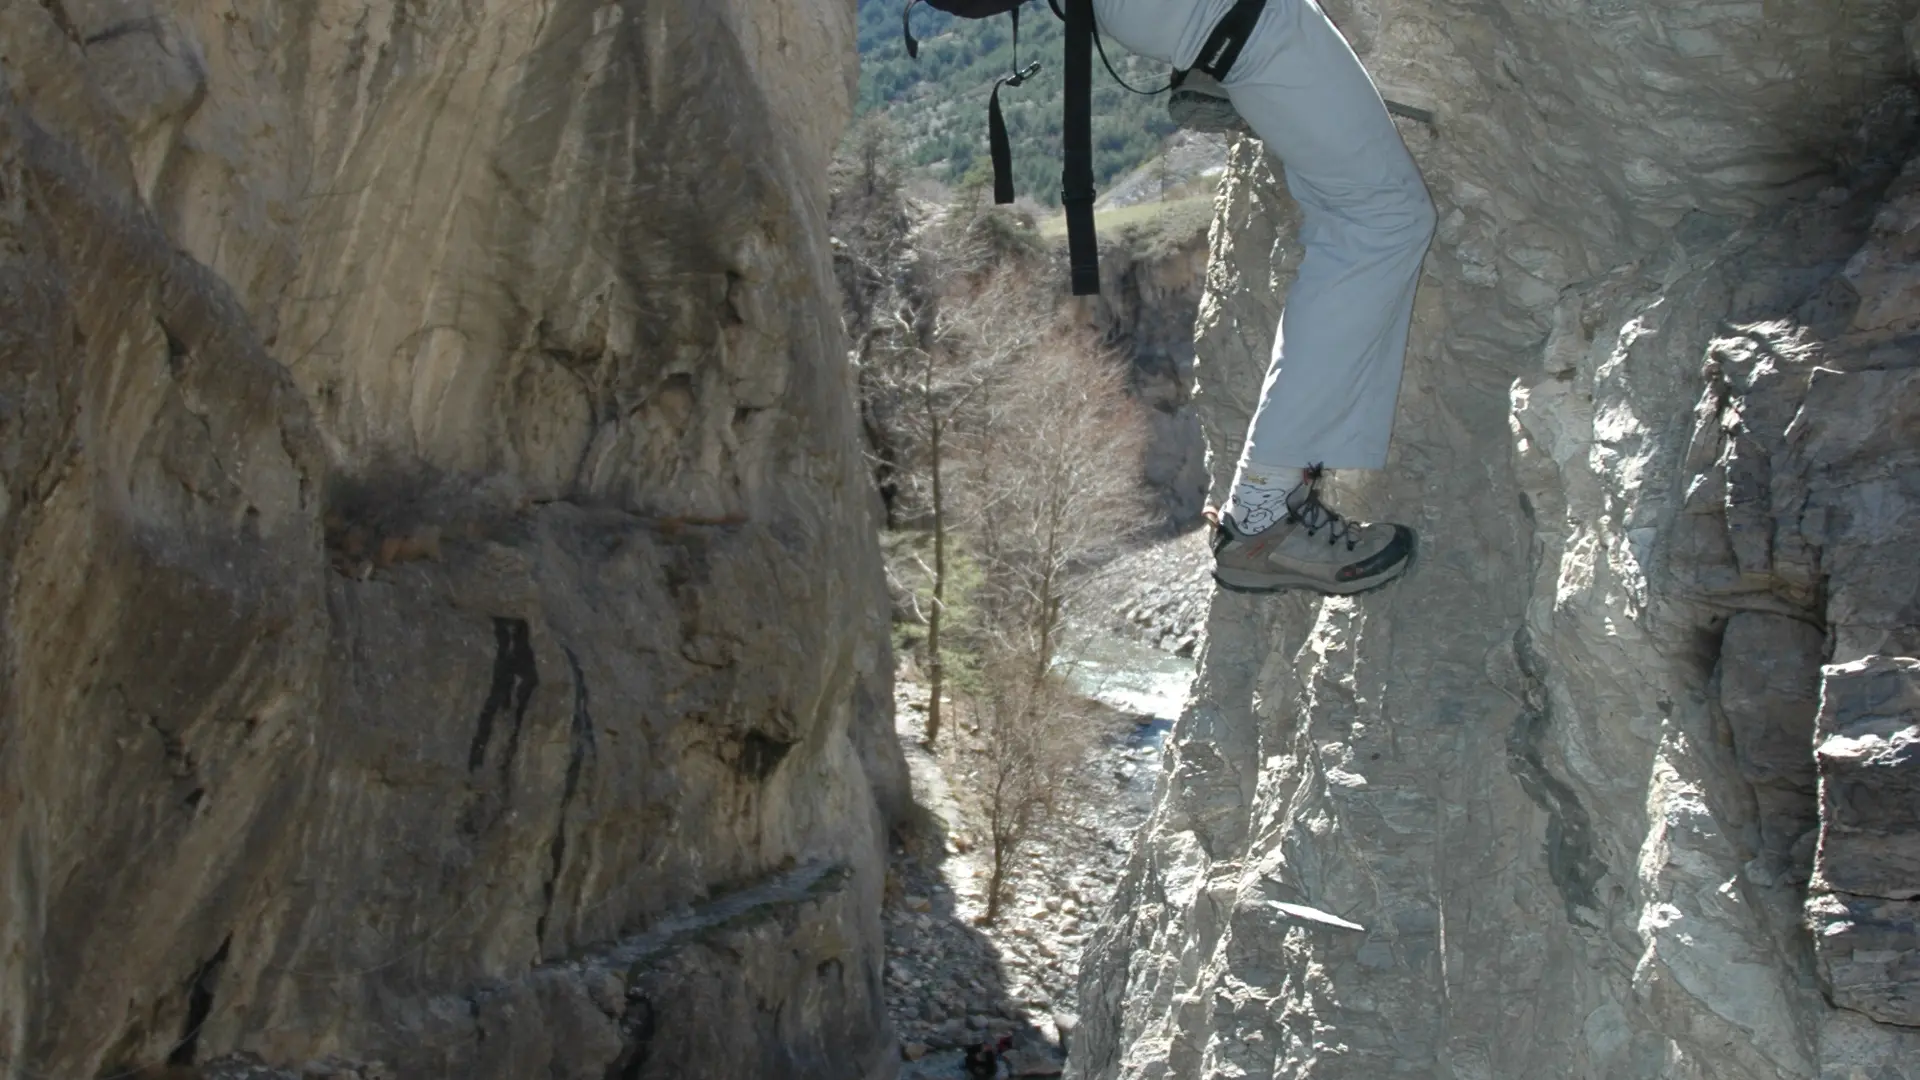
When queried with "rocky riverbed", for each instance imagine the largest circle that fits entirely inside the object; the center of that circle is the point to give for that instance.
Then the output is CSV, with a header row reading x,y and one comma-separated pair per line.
x,y
1157,595
953,983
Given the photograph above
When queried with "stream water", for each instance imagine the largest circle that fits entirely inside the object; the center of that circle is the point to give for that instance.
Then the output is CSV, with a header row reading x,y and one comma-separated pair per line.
x,y
1132,677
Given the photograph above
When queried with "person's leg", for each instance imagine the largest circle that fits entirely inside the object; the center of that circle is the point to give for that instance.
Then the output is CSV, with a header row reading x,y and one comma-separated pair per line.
x,y
1330,393
1335,378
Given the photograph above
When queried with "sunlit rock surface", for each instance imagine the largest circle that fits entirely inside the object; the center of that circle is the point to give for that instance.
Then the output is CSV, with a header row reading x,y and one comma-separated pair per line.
x,y
1614,781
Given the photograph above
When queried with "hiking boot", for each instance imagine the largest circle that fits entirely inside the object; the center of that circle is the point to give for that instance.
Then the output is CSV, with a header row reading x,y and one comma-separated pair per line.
x,y
1311,548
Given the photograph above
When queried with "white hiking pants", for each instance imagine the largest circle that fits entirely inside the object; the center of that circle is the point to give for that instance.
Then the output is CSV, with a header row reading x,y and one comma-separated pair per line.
x,y
1330,393
1366,220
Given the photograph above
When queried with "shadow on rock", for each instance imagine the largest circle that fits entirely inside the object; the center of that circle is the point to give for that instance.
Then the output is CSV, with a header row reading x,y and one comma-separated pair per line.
x,y
948,990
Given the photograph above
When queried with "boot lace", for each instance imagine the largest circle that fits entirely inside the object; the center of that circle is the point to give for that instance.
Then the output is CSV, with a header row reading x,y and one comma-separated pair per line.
x,y
1316,515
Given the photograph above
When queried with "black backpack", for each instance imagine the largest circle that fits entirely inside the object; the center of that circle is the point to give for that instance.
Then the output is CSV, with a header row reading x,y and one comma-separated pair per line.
x,y
1076,130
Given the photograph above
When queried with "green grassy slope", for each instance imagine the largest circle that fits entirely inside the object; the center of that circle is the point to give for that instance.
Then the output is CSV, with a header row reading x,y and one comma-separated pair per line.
x,y
938,105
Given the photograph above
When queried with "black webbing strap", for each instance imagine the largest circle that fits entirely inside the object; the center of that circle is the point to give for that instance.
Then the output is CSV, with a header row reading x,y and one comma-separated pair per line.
x,y
1076,137
999,148
1228,38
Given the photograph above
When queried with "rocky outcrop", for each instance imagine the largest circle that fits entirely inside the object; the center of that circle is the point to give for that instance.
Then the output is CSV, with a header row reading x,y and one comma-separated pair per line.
x,y
441,601
1157,595
1187,167
1153,264
1552,806
1152,275
1864,914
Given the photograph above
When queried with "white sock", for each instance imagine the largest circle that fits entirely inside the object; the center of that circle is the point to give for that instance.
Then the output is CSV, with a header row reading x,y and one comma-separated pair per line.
x,y
1262,496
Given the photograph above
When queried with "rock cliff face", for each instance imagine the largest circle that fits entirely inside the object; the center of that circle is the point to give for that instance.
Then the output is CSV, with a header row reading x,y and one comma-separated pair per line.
x,y
1620,783
1152,281
440,599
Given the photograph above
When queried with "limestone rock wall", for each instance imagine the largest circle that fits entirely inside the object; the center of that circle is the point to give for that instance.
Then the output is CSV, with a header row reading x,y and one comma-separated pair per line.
x,y
441,611
1618,783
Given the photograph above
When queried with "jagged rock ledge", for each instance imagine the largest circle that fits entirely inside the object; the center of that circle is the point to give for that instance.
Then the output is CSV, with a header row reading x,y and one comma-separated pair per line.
x,y
630,1005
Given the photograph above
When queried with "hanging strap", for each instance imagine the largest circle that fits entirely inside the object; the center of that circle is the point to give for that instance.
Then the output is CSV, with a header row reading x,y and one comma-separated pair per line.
x,y
1000,149
1076,137
906,30
998,145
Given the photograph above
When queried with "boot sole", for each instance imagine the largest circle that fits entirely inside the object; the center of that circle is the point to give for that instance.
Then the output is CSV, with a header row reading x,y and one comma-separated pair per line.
x,y
1276,583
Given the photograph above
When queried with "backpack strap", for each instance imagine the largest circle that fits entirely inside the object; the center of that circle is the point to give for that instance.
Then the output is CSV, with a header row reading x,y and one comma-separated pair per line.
x,y
1076,137
1229,36
906,30
998,146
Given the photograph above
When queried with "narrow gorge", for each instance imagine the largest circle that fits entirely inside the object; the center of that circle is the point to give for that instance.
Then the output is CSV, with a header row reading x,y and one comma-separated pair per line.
x,y
447,633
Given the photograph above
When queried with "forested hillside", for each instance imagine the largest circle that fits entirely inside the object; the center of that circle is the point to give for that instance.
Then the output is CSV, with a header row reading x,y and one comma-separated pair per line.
x,y
938,104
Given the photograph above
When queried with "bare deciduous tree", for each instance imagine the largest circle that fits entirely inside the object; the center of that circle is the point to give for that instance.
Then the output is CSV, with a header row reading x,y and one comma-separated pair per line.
x,y
1048,479
1052,484
979,339
914,388
933,365
1012,440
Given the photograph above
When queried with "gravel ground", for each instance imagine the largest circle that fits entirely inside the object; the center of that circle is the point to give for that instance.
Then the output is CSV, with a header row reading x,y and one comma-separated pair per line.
x,y
952,983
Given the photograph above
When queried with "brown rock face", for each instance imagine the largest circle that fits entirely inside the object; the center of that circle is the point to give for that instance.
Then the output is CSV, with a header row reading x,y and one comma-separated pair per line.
x,y
440,599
